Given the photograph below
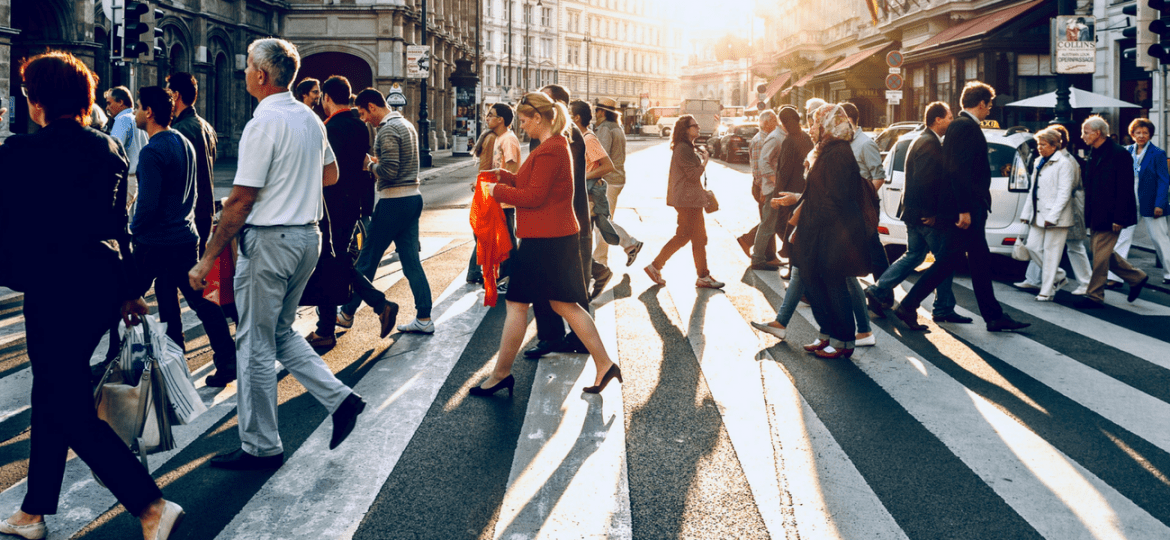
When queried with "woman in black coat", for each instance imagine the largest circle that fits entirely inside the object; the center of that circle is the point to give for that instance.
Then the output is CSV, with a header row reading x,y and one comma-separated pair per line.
x,y
834,221
78,207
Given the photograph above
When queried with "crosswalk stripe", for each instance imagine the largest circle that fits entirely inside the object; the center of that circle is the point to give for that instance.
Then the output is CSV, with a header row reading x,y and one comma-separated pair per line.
x,y
1123,339
1055,494
568,476
320,493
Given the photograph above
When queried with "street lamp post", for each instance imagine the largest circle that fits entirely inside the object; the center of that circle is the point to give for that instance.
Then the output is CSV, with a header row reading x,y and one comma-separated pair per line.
x,y
508,88
587,40
1063,110
424,126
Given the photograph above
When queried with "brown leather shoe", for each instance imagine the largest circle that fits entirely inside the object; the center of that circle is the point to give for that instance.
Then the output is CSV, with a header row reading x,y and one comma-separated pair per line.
x,y
745,244
388,317
321,342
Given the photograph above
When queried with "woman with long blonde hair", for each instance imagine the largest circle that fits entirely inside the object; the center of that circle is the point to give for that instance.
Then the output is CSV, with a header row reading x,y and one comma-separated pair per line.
x,y
547,266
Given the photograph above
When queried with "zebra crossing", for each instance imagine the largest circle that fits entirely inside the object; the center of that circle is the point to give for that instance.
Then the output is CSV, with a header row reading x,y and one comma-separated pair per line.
x,y
1059,432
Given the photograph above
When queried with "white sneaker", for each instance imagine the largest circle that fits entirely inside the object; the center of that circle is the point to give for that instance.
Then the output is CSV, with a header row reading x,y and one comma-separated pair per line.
x,y
769,329
32,531
1026,285
709,282
418,327
1059,285
868,341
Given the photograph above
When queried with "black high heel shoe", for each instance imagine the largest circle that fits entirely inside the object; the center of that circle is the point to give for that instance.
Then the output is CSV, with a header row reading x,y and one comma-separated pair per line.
x,y
509,382
613,372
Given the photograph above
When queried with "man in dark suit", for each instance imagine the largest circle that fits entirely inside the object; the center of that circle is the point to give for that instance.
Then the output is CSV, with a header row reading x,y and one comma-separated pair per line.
x,y
350,141
965,201
203,137
925,178
1110,206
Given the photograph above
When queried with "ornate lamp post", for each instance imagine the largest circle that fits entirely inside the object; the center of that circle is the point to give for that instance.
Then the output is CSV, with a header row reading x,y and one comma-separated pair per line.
x,y
424,126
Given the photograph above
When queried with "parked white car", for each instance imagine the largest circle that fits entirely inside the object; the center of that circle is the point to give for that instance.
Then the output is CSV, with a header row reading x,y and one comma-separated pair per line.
x,y
1010,152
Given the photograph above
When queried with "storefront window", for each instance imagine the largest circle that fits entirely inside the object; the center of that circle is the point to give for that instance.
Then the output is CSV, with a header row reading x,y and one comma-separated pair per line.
x,y
971,69
942,82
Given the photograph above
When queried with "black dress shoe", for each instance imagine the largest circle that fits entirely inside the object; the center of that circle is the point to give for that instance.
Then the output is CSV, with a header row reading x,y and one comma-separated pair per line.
x,y
1005,323
1088,303
909,318
875,305
542,348
345,418
571,344
239,460
220,378
1135,290
953,318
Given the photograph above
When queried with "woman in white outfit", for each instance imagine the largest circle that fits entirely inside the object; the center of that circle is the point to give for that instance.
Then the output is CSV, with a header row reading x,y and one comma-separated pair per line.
x,y
1049,210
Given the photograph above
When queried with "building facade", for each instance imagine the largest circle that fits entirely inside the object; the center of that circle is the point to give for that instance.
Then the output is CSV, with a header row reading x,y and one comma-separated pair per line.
x,y
729,81
520,46
627,50
365,40
837,51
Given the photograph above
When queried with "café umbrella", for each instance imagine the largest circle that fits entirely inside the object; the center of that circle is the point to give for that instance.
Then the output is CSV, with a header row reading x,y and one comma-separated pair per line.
x,y
1079,99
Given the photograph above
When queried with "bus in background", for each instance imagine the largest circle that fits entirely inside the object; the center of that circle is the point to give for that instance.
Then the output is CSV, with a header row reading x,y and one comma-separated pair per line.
x,y
659,120
706,113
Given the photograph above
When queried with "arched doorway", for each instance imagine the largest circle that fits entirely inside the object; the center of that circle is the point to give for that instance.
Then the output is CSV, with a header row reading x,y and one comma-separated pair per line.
x,y
323,65
218,102
43,24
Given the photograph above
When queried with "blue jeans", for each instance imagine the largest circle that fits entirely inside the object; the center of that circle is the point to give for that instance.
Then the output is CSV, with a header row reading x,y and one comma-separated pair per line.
x,y
920,239
796,289
395,221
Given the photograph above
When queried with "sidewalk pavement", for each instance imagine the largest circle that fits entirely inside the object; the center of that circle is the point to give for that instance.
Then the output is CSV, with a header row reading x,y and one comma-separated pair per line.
x,y
442,163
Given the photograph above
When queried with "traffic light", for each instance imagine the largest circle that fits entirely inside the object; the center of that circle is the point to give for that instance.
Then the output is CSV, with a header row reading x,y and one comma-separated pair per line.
x,y
156,34
133,30
1159,31
1145,14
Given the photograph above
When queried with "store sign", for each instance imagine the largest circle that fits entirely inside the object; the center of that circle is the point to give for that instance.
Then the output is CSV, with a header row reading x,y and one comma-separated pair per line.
x,y
894,96
1074,44
418,61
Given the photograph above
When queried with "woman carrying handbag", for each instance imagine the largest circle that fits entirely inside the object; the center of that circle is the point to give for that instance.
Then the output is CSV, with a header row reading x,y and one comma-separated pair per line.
x,y
687,194
88,230
1049,211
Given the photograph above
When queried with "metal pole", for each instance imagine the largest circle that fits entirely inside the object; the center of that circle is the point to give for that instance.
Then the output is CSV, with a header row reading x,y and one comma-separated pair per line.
x,y
478,68
1063,111
1162,114
587,41
424,127
526,49
511,6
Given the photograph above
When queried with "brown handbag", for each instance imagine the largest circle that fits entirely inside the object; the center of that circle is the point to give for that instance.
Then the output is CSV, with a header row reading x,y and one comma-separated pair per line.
x,y
712,203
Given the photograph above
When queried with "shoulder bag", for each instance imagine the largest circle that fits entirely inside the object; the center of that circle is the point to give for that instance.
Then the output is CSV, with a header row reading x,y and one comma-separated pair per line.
x,y
712,203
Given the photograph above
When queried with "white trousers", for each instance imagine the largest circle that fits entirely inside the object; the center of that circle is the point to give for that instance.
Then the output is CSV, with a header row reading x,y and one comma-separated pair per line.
x,y
1159,229
274,266
601,249
1078,257
1046,246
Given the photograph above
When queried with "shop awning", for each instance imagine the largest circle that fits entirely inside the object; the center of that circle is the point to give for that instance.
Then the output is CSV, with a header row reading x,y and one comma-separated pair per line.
x,y
776,85
976,27
815,71
857,58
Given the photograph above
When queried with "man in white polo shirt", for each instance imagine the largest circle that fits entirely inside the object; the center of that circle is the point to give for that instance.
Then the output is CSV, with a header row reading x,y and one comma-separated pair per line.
x,y
276,200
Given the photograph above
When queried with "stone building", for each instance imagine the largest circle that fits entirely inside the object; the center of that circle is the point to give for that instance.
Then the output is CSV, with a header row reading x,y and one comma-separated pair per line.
x,y
519,51
628,50
365,40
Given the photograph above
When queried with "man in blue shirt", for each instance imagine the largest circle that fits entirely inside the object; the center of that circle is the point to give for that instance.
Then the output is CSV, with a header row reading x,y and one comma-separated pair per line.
x,y
163,227
123,128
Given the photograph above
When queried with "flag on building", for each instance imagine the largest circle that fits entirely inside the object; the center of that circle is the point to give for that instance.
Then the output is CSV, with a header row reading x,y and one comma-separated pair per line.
x,y
873,9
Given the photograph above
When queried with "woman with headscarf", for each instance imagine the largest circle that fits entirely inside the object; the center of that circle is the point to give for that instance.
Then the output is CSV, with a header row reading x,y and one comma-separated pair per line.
x,y
685,192
833,222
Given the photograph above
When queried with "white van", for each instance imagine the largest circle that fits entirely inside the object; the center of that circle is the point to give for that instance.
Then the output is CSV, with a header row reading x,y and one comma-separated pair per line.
x,y
706,113
1010,152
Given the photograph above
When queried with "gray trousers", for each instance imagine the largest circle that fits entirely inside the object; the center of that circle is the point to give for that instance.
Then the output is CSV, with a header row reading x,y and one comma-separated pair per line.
x,y
274,265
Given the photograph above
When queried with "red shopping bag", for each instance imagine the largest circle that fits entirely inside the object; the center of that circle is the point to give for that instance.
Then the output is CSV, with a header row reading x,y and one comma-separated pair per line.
x,y
219,281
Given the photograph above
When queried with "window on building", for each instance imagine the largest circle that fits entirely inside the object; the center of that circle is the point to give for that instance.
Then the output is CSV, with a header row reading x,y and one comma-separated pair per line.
x,y
971,69
546,48
487,7
1035,75
527,47
942,82
546,17
527,14
918,94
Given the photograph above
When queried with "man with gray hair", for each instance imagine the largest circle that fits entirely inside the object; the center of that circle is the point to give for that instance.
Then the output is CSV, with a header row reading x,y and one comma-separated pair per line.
x,y
1110,206
120,105
811,107
763,253
276,200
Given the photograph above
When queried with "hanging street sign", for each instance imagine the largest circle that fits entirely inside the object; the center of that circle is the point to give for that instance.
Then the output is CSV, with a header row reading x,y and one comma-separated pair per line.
x,y
1074,44
395,97
418,61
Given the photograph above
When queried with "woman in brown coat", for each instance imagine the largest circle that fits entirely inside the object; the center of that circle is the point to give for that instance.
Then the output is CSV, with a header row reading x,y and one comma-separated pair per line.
x,y
684,191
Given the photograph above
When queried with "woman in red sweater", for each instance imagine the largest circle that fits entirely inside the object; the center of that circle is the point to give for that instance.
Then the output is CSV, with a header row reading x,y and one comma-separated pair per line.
x,y
547,264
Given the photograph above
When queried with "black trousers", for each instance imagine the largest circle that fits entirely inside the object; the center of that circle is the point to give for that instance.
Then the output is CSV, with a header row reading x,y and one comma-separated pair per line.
x,y
338,231
828,296
167,267
63,414
971,242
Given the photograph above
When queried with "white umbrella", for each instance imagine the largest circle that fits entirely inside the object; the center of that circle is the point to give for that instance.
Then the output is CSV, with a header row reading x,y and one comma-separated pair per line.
x,y
1079,99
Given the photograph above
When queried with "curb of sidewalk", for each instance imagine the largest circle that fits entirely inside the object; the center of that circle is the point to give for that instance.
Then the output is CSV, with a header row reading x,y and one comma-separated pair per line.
x,y
434,172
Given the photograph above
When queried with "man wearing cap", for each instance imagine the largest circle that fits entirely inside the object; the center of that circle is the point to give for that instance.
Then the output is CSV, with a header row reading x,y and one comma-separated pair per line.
x,y
613,140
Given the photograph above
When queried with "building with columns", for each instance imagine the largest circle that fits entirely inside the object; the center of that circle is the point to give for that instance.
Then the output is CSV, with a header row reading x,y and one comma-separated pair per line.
x,y
628,50
365,40
520,47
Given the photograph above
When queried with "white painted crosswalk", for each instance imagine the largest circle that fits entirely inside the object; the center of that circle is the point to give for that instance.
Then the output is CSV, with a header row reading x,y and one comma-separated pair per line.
x,y
1017,432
